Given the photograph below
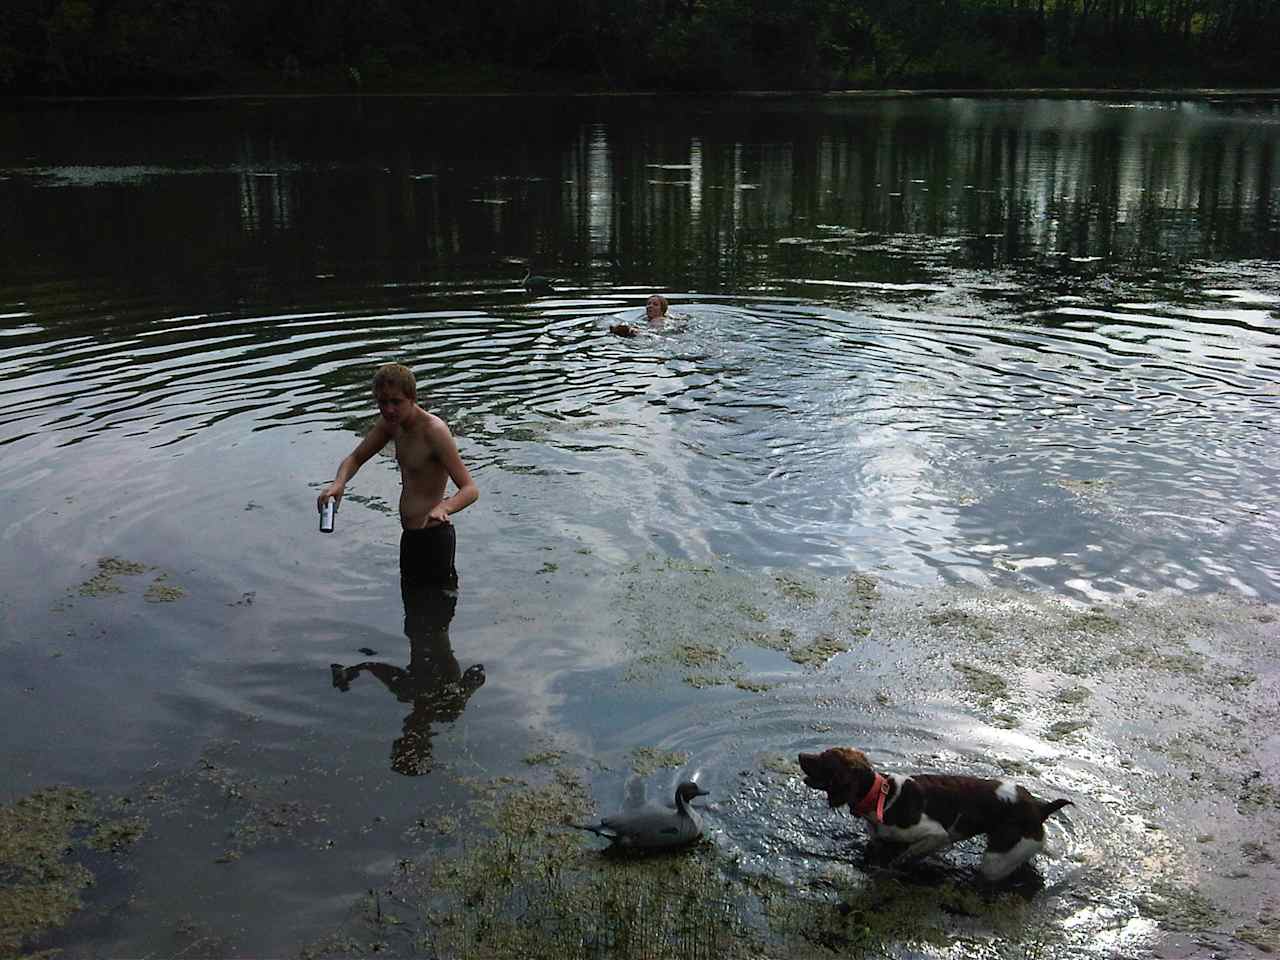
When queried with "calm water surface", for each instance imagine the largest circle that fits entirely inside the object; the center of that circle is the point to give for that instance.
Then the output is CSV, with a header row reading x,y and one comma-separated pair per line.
x,y
948,344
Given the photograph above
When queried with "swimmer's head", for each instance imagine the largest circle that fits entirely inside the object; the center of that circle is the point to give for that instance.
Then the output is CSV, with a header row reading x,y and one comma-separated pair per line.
x,y
655,306
395,377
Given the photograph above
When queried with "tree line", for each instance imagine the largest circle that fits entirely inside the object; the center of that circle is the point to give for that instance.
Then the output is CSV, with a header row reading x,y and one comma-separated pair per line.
x,y
88,47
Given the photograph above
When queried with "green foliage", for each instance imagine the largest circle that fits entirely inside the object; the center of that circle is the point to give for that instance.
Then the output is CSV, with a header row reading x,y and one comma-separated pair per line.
x,y
122,46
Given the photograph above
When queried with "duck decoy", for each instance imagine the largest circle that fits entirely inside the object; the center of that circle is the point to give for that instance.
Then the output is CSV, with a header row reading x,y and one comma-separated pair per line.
x,y
534,284
654,827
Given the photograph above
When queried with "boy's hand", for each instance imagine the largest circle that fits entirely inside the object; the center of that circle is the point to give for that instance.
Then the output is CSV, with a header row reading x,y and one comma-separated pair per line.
x,y
334,490
437,515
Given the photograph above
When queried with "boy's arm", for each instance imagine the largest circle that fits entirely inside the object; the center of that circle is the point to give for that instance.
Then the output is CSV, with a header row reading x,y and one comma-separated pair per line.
x,y
467,493
374,441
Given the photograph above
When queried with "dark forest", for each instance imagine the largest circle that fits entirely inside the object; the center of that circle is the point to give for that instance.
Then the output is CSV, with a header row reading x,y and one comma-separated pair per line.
x,y
169,47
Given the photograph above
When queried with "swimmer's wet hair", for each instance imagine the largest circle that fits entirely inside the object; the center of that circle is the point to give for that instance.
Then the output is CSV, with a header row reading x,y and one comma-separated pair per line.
x,y
395,376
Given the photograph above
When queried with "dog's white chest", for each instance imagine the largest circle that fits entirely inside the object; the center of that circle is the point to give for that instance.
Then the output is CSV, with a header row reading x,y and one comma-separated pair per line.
x,y
925,827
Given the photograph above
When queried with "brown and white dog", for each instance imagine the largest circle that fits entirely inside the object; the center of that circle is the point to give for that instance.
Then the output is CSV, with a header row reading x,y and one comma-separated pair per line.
x,y
930,811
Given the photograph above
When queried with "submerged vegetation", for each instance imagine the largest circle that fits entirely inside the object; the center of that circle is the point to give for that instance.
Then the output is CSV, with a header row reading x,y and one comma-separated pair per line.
x,y
647,760
1117,874
44,839
105,582
1135,711
532,889
169,46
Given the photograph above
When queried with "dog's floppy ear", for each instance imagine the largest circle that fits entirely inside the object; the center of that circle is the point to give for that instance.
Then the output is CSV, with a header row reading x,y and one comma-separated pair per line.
x,y
849,771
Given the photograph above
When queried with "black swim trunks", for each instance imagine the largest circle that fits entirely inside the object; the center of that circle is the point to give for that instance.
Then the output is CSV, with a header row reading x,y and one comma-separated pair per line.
x,y
426,556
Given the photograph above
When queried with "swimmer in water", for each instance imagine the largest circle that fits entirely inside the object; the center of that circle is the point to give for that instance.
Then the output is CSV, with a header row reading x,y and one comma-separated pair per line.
x,y
655,312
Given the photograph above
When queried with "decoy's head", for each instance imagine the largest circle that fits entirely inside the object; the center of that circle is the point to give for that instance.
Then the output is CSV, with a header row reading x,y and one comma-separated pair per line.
x,y
688,790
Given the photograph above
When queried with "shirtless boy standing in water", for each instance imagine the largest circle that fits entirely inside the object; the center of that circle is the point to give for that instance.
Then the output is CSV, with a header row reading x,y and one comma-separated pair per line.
x,y
428,457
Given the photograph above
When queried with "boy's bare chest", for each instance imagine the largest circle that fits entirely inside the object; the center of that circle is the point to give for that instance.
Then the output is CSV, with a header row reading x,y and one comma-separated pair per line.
x,y
413,452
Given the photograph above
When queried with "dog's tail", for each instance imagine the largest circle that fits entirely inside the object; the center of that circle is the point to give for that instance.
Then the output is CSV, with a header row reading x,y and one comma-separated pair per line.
x,y
1049,808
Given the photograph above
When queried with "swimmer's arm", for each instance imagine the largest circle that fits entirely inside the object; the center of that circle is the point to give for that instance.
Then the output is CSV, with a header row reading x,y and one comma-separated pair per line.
x,y
446,450
374,440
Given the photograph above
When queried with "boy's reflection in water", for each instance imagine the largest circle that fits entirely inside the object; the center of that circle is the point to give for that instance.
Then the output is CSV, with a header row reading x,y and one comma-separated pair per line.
x,y
433,681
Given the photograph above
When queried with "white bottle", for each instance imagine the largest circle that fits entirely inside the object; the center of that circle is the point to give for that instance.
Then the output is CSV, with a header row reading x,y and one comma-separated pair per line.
x,y
326,516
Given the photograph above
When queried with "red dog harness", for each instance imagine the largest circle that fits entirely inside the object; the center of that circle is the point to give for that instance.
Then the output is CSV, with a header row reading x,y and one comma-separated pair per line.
x,y
874,800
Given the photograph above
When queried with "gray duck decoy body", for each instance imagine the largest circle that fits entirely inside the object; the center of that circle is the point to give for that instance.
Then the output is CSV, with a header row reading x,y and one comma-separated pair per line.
x,y
653,827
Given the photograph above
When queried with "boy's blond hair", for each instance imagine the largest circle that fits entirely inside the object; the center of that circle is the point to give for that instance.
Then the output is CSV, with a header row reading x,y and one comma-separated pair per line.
x,y
395,376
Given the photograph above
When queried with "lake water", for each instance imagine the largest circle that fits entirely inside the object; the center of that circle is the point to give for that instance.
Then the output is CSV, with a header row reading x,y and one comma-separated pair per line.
x,y
983,365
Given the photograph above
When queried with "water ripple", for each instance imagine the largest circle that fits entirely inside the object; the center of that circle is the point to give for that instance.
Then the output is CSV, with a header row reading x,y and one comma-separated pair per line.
x,y
791,428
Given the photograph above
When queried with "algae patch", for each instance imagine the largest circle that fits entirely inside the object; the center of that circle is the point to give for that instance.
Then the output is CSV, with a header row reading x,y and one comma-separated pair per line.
x,y
1257,795
103,582
879,919
548,758
1264,933
701,681
647,760
254,811
697,655
782,641
1178,907
708,612
40,836
1086,489
532,888
865,589
117,834
163,593
818,652
1013,767
1073,695
785,766
1095,622
963,622
1065,728
981,681
813,654
794,589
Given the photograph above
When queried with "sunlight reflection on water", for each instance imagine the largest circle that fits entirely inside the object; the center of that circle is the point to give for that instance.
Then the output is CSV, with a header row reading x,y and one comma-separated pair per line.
x,y
779,432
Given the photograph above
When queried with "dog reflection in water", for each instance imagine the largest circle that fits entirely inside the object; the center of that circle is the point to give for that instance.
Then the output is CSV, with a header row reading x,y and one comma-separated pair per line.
x,y
433,682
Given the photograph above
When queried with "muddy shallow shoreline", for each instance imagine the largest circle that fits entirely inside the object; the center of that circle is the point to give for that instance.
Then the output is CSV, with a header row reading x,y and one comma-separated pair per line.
x,y
1155,716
